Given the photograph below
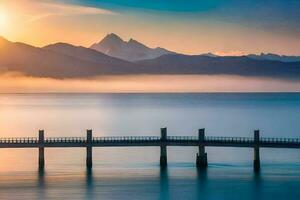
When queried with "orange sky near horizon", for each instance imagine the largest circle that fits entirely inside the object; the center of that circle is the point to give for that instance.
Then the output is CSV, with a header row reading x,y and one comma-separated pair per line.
x,y
43,22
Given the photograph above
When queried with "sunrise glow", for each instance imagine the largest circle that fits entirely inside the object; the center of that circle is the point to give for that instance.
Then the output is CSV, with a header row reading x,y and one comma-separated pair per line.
x,y
211,27
3,20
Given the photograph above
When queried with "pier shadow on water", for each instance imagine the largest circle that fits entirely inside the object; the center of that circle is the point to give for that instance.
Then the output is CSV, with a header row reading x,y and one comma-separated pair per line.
x,y
228,183
89,184
201,181
108,186
218,181
41,184
170,183
257,185
164,184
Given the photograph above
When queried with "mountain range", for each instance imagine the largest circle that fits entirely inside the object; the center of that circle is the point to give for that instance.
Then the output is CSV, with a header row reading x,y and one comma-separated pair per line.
x,y
63,60
59,61
271,56
132,50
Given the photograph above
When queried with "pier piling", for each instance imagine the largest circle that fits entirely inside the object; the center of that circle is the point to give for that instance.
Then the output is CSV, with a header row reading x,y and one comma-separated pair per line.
x,y
163,147
201,158
256,161
41,150
89,150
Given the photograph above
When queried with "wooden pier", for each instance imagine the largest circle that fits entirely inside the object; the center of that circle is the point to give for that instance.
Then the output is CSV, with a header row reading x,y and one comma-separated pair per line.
x,y
201,141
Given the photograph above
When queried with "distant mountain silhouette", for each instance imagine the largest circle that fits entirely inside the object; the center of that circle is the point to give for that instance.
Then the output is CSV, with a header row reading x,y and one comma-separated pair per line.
x,y
67,61
270,56
209,55
86,54
59,61
233,65
132,50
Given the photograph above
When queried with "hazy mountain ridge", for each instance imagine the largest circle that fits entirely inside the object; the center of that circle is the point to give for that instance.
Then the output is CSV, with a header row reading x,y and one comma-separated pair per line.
x,y
264,56
132,50
84,53
276,57
45,62
232,65
63,60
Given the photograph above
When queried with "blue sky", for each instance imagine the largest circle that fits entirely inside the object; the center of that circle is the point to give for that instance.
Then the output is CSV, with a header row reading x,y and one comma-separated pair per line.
x,y
268,13
166,5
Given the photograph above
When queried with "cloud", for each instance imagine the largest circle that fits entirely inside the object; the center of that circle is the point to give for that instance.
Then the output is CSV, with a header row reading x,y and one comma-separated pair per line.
x,y
37,10
55,9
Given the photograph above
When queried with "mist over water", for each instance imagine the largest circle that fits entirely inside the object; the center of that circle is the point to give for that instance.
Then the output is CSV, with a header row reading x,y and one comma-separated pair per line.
x,y
134,173
17,83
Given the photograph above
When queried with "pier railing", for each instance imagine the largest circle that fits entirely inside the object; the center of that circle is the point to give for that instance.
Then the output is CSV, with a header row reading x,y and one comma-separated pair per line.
x,y
178,139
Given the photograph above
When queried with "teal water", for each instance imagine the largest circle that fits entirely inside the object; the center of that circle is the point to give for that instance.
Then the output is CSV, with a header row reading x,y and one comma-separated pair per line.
x,y
134,173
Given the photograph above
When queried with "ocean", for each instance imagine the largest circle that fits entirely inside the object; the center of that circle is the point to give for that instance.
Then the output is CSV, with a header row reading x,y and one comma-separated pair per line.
x,y
134,172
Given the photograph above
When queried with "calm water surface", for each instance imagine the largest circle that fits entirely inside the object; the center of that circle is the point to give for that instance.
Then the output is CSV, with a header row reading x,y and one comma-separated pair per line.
x,y
134,173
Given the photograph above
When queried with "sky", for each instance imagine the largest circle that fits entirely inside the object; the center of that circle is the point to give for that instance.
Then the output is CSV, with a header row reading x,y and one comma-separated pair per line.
x,y
225,27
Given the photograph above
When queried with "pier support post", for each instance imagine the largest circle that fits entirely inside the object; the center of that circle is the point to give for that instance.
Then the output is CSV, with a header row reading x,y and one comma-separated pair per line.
x,y
256,161
201,159
163,147
41,150
89,151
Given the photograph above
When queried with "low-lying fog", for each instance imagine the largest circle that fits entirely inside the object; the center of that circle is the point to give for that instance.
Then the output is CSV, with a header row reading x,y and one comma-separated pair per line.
x,y
13,83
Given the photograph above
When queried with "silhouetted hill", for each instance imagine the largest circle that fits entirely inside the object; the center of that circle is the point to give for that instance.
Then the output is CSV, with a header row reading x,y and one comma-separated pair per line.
x,y
270,56
86,54
132,50
59,61
239,65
